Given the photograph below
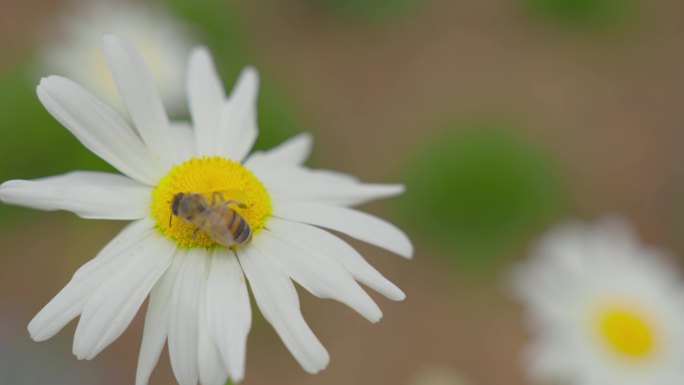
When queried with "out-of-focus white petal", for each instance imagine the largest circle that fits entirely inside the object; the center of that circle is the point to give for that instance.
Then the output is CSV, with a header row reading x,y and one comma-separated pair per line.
x,y
277,299
578,277
292,152
206,99
113,304
74,48
89,194
184,139
156,323
354,223
229,314
319,274
209,363
238,129
183,327
141,97
324,243
99,128
68,303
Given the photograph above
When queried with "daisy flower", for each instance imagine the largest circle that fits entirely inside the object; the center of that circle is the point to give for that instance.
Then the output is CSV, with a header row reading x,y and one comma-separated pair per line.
x,y
602,307
162,39
199,302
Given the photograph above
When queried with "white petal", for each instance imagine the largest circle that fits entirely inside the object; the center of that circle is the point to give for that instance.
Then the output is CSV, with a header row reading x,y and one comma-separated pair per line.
x,y
282,176
184,139
292,152
238,129
206,99
89,194
111,306
183,327
354,223
211,368
324,242
229,314
156,323
99,128
141,97
277,299
68,303
323,191
319,274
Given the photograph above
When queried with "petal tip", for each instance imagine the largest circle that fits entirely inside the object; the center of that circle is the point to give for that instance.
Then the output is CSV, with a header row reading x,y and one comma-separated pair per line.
x,y
34,332
408,251
198,52
398,296
249,78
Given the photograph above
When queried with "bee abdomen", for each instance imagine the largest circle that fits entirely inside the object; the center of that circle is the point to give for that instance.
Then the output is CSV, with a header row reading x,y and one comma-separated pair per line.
x,y
239,228
243,232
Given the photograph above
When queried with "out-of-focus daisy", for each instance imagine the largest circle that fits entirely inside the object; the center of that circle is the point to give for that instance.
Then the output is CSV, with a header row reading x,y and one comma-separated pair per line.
x,y
198,294
73,48
603,308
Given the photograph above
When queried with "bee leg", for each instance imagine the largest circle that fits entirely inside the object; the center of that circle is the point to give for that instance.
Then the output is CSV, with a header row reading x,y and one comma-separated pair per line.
x,y
194,233
214,195
238,204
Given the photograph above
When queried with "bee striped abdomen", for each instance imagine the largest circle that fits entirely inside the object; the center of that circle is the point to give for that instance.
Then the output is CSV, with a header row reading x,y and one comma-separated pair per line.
x,y
238,227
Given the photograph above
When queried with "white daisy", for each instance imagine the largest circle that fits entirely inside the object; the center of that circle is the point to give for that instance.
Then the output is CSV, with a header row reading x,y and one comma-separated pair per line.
x,y
198,295
603,308
73,49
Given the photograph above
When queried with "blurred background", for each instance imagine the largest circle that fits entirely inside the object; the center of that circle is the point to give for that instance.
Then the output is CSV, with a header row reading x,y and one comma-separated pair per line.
x,y
502,117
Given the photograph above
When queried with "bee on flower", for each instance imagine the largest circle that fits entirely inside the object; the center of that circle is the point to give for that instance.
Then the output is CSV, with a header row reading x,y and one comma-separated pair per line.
x,y
198,298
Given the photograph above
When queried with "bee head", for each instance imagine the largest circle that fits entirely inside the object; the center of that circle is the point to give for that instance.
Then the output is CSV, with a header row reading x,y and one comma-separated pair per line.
x,y
176,202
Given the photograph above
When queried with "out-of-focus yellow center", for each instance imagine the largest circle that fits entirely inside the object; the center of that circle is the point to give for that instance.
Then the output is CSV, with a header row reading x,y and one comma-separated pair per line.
x,y
627,332
208,175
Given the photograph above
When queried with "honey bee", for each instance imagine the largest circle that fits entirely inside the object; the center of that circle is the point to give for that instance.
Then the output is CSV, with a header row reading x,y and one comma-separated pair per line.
x,y
217,219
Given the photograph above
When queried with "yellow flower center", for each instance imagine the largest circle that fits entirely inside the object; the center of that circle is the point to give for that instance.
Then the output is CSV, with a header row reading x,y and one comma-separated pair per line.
x,y
208,176
627,332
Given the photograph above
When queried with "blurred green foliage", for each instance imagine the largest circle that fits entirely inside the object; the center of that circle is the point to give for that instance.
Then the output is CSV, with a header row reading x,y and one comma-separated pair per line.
x,y
372,9
587,12
478,190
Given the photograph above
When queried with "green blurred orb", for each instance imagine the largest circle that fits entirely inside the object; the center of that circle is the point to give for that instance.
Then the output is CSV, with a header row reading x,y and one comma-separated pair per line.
x,y
477,191
583,11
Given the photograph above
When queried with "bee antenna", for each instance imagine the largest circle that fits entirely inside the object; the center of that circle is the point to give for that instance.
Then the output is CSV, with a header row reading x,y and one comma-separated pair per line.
x,y
170,219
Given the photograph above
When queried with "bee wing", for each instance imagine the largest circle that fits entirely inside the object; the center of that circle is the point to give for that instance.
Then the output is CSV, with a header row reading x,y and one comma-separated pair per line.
x,y
219,228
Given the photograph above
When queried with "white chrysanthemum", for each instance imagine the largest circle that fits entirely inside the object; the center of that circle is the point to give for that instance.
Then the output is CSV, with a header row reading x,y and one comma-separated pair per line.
x,y
603,308
199,301
74,50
